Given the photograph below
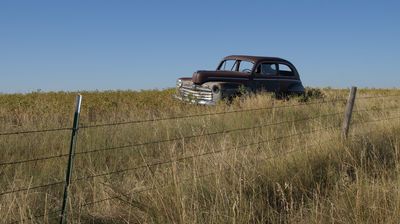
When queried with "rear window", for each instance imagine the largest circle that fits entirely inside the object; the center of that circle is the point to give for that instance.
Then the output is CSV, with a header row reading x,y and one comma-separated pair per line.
x,y
285,70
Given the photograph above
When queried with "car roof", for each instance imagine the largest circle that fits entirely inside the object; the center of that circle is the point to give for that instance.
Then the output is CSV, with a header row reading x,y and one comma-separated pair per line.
x,y
254,59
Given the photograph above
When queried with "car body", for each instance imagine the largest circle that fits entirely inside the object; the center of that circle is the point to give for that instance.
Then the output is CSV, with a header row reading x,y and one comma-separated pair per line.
x,y
236,74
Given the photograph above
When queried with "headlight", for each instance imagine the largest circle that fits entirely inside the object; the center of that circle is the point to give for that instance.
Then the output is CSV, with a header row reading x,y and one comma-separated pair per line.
x,y
216,89
179,83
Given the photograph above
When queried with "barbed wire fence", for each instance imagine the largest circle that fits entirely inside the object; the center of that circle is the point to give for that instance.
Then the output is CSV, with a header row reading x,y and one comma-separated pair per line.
x,y
61,213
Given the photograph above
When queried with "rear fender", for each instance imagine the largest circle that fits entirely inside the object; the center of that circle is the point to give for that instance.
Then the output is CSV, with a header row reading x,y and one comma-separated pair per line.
x,y
296,88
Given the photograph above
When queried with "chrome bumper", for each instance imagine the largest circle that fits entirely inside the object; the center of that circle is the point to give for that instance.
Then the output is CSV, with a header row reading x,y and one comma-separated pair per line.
x,y
197,95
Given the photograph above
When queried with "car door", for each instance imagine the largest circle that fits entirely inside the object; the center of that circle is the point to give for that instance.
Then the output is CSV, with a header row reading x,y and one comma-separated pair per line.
x,y
266,77
246,67
286,77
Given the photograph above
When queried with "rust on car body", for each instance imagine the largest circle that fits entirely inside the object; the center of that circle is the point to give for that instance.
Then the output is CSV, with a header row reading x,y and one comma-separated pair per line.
x,y
237,72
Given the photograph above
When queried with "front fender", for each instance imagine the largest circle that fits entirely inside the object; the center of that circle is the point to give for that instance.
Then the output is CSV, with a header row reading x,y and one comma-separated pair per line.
x,y
223,90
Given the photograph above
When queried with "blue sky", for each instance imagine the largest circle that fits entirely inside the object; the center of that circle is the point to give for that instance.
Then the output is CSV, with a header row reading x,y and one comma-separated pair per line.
x,y
107,45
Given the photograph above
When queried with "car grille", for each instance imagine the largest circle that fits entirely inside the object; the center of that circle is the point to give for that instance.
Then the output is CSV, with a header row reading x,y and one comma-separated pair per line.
x,y
196,93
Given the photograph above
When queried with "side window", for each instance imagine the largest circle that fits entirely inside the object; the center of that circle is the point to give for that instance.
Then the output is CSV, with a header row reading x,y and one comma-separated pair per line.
x,y
285,70
267,69
228,65
246,66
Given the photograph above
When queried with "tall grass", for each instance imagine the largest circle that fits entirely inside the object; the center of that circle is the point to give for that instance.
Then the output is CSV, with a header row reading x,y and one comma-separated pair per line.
x,y
313,176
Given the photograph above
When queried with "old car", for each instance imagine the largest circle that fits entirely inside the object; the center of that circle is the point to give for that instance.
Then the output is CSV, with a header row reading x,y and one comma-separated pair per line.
x,y
236,74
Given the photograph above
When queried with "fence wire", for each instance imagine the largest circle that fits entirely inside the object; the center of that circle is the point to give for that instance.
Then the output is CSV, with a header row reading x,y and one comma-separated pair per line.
x,y
175,139
149,143
202,154
161,163
207,134
32,160
28,188
142,121
187,179
188,116
229,112
209,114
121,195
34,131
176,160
377,109
376,120
375,97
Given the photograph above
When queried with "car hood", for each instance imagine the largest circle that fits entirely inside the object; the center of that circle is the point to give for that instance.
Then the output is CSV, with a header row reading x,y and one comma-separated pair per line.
x,y
201,77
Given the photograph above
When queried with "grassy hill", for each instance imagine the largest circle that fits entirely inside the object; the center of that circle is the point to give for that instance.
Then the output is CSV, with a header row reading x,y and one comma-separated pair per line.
x,y
255,160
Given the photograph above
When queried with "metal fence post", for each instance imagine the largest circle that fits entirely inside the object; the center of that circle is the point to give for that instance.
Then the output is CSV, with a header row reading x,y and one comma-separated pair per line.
x,y
68,175
348,112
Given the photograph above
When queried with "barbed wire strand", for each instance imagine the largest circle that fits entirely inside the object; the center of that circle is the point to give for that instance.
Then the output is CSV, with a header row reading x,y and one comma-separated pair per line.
x,y
165,140
232,130
31,188
373,97
378,120
186,179
65,155
376,109
206,134
202,154
34,131
201,176
227,112
208,114
160,163
33,160
157,187
165,118
185,116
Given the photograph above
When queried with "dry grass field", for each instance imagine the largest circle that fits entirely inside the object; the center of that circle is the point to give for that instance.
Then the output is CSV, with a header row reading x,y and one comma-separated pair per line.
x,y
285,163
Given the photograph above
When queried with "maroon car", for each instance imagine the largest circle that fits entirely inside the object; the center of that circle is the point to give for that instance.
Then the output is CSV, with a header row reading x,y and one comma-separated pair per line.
x,y
238,73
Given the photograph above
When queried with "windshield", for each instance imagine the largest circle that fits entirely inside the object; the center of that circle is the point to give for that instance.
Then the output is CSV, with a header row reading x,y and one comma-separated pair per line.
x,y
228,65
236,65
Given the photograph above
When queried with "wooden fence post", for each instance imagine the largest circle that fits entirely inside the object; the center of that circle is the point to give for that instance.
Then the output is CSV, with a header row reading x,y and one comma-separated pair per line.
x,y
348,112
68,175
